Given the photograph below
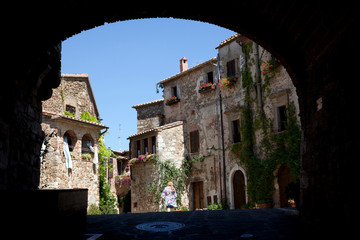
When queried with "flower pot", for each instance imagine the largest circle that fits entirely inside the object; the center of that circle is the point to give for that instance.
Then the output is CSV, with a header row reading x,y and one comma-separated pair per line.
x,y
263,205
205,89
171,102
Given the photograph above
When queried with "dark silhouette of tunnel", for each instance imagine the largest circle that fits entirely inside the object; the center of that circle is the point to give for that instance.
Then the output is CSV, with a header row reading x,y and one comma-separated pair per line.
x,y
315,42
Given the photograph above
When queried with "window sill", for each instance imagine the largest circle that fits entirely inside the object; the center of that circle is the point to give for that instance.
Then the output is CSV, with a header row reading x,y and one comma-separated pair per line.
x,y
206,89
172,102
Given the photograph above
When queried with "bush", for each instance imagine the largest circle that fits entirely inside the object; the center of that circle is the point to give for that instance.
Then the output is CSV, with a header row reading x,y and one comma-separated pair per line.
x,y
94,210
215,207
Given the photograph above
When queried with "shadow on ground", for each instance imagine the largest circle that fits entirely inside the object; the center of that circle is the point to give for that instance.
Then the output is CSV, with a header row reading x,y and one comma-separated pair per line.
x,y
226,224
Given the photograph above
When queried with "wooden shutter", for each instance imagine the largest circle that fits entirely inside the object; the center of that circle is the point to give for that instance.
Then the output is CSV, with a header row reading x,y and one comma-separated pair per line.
x,y
194,141
236,132
230,67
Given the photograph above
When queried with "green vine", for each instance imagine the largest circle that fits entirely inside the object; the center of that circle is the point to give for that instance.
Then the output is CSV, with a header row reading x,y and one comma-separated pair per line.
x,y
277,148
167,172
108,201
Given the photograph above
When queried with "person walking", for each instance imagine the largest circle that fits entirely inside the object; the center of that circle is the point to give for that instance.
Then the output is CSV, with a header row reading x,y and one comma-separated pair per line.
x,y
169,194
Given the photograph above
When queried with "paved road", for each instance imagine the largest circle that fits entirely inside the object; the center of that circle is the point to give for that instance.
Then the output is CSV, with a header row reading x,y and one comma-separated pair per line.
x,y
228,224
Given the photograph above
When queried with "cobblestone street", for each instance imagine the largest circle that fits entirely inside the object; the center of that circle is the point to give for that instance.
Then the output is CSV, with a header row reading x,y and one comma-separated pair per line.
x,y
228,224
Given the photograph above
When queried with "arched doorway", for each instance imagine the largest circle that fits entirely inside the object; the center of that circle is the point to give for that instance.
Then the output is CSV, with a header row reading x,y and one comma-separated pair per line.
x,y
284,180
239,189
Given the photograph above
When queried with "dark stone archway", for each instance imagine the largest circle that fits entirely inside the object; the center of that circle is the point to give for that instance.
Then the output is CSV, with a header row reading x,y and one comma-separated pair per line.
x,y
315,42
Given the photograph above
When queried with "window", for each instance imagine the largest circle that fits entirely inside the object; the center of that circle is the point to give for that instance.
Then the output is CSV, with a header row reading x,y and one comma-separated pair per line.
x,y
194,141
153,143
210,77
86,141
119,167
235,131
71,139
146,145
70,109
138,148
174,91
230,68
281,118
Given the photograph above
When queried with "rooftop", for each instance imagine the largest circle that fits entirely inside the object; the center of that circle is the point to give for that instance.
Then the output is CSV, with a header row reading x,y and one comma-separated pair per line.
x,y
158,129
228,40
147,103
180,74
62,116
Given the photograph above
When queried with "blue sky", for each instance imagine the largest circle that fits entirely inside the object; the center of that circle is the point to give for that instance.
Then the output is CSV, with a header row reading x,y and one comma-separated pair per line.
x,y
126,59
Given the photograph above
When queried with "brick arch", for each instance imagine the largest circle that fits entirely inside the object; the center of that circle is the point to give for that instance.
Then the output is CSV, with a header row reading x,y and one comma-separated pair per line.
x,y
315,42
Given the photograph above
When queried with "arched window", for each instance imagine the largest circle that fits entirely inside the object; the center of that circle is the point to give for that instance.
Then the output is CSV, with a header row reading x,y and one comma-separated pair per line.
x,y
71,139
86,142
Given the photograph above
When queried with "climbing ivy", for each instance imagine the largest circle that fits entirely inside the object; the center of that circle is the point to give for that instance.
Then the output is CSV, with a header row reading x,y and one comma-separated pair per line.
x,y
108,201
167,172
276,148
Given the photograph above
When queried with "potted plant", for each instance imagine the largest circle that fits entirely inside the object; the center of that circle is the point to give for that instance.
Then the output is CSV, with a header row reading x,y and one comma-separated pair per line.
x,y
228,82
264,204
86,157
206,86
171,100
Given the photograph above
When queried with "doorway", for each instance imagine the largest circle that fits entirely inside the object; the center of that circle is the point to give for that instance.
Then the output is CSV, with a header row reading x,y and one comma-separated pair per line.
x,y
239,189
284,179
198,195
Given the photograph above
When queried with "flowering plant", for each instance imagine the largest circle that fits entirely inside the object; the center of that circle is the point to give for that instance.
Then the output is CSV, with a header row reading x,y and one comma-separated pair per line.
x,y
269,67
142,158
123,179
228,82
172,99
206,85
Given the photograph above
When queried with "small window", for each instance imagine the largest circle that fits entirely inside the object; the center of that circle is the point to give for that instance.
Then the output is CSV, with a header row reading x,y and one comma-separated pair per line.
x,y
153,143
230,68
235,131
138,148
86,142
194,141
119,167
71,139
174,91
281,116
146,145
70,109
210,77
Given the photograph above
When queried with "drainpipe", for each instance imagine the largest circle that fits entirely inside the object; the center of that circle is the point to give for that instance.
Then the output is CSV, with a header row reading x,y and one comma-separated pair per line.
x,y
258,77
222,130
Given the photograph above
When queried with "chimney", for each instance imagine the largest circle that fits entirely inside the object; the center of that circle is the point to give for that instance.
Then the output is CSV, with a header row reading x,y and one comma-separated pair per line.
x,y
183,64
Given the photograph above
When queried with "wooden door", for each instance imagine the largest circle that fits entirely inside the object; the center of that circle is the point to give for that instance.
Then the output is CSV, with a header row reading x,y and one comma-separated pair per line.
x,y
239,189
284,179
198,195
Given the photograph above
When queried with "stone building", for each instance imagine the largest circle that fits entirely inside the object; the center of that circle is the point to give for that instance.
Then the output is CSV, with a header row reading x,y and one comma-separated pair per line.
x,y
210,112
153,137
70,122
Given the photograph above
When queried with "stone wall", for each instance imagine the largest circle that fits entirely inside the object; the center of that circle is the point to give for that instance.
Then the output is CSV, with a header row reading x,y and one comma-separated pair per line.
x,y
149,115
74,90
169,146
170,143
143,174
200,112
54,173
